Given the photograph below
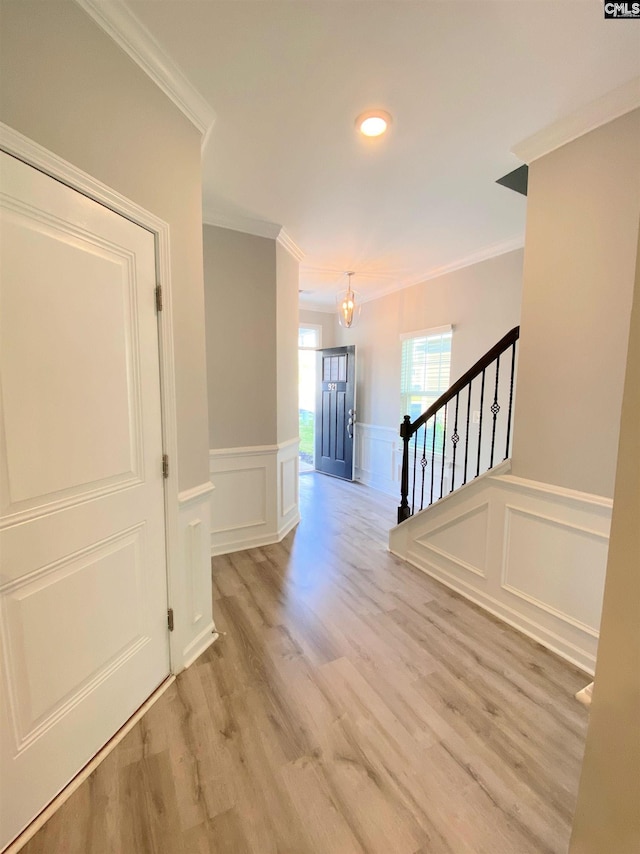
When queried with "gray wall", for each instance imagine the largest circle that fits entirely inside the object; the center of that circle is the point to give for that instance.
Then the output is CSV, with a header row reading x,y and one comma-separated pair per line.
x,y
607,815
67,86
482,302
582,219
328,322
240,304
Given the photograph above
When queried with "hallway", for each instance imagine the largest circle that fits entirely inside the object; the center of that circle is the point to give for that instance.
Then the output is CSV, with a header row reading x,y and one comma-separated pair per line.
x,y
351,705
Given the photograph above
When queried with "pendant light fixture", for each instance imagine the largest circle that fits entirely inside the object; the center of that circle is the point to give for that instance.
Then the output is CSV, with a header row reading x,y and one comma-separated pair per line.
x,y
348,305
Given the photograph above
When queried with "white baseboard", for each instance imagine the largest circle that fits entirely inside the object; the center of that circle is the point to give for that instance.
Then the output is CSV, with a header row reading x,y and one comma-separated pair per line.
x,y
255,502
289,526
222,548
199,644
532,554
585,695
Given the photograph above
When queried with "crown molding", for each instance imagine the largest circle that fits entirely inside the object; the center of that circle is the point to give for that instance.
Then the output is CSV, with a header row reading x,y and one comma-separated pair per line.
x,y
494,250
256,227
234,222
589,117
285,240
130,34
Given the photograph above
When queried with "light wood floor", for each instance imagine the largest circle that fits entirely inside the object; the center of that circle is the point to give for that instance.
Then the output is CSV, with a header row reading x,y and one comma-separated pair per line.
x,y
353,705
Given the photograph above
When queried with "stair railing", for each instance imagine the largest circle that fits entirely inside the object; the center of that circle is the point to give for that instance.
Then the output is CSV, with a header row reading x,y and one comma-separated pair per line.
x,y
441,466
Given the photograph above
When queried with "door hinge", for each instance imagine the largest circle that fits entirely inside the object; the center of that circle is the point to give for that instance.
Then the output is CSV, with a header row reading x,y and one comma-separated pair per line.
x,y
165,465
170,619
159,297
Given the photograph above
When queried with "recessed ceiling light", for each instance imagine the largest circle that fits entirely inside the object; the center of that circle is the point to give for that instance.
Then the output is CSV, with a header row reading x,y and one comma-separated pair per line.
x,y
373,122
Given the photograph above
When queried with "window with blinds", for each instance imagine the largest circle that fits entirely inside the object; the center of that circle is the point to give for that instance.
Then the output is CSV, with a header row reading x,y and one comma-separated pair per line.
x,y
426,365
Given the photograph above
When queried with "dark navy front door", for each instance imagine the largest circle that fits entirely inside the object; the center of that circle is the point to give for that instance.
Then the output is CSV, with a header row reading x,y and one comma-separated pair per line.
x,y
335,411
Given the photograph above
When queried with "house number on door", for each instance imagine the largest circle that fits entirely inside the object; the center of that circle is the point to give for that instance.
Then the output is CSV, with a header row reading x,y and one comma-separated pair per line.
x,y
332,386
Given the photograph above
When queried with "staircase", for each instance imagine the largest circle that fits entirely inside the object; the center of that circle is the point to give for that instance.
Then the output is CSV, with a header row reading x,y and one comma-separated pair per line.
x,y
463,434
533,554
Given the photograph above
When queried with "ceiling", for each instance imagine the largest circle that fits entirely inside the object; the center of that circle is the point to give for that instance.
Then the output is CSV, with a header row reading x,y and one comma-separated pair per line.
x,y
463,81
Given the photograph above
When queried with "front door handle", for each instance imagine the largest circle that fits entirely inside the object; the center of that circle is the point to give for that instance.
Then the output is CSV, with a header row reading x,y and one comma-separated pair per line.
x,y
350,428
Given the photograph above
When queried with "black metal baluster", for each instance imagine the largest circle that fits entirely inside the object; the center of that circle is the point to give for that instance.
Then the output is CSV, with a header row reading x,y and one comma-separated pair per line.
x,y
466,438
495,408
413,488
444,437
480,424
513,368
433,454
455,438
423,463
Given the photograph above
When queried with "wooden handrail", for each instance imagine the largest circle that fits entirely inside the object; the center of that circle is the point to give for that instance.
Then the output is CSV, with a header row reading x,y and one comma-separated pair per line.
x,y
474,371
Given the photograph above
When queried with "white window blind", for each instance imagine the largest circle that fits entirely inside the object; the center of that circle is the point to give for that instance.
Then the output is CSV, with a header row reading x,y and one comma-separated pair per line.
x,y
426,366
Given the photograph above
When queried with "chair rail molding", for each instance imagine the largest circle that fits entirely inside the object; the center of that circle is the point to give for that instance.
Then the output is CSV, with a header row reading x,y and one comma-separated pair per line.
x,y
533,554
195,492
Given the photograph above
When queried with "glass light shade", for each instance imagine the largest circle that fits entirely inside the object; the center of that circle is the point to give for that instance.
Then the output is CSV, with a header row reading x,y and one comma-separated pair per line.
x,y
348,307
373,122
373,126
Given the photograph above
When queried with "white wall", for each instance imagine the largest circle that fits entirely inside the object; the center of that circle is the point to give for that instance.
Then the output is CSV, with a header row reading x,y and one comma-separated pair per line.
x,y
67,86
607,815
582,217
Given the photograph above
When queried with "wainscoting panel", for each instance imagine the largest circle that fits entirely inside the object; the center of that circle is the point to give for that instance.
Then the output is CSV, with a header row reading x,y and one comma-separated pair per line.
x,y
378,461
288,475
378,456
553,564
255,500
193,542
533,554
462,539
193,618
241,500
288,504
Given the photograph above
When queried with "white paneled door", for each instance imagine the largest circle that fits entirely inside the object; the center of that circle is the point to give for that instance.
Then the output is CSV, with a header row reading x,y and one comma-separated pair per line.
x,y
83,588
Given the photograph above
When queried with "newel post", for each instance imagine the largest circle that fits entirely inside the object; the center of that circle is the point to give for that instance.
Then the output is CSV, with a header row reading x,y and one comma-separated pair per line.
x,y
405,433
